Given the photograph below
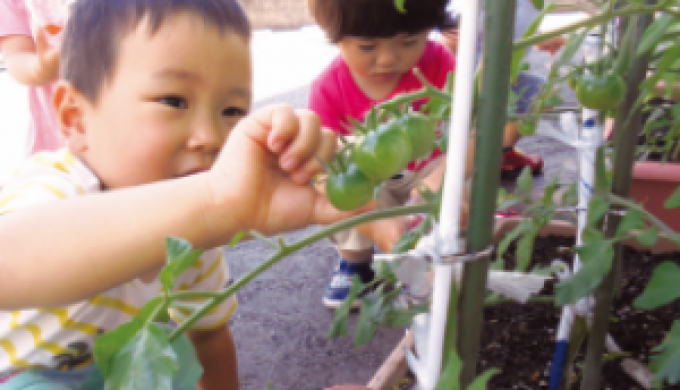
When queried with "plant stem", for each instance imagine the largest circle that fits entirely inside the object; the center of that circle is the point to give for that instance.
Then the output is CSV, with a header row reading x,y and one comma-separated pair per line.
x,y
625,143
287,250
621,201
491,119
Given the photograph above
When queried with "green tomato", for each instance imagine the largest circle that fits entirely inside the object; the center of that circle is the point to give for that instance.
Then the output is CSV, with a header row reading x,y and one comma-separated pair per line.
x,y
421,133
349,190
384,152
603,92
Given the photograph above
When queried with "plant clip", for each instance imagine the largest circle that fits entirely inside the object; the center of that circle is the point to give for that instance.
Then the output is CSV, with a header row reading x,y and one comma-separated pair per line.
x,y
465,257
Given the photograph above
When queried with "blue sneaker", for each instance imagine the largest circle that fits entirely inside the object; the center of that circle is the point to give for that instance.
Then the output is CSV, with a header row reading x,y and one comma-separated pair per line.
x,y
341,282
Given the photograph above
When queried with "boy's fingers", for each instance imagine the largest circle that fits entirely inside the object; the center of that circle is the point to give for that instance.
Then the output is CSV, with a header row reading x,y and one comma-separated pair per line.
x,y
324,152
304,143
261,124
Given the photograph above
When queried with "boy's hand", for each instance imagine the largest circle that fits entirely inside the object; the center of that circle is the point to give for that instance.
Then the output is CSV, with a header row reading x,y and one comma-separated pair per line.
x,y
266,168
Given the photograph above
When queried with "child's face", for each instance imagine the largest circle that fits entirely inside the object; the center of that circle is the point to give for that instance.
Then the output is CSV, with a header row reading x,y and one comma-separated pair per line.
x,y
378,62
170,104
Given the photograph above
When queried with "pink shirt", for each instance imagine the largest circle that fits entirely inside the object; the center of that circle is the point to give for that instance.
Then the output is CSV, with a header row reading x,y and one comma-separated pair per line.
x,y
335,95
25,17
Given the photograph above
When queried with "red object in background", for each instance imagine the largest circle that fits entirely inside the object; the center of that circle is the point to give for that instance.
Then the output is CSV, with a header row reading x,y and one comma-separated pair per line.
x,y
515,161
652,184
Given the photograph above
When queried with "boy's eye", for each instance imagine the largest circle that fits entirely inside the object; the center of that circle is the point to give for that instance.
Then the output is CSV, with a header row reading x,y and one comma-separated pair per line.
x,y
234,111
410,43
174,101
366,47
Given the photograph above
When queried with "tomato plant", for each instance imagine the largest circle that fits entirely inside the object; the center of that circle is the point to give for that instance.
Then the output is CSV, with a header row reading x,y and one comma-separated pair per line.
x,y
603,92
421,133
384,152
350,189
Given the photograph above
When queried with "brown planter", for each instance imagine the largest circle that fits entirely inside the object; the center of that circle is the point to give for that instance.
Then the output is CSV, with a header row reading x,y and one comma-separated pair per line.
x,y
652,184
395,367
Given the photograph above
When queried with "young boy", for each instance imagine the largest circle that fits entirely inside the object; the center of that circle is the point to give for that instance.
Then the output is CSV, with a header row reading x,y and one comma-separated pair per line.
x,y
151,91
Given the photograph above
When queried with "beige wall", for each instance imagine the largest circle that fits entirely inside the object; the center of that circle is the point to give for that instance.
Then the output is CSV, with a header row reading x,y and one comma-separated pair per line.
x,y
277,14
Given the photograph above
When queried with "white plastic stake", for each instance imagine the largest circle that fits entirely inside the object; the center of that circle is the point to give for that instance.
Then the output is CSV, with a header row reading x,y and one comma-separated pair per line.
x,y
454,185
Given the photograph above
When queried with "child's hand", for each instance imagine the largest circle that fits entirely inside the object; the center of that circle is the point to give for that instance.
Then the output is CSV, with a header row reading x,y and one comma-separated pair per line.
x,y
47,69
266,168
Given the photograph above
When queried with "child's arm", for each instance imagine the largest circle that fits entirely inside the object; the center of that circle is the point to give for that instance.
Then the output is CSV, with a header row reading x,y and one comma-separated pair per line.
x,y
217,354
79,247
31,63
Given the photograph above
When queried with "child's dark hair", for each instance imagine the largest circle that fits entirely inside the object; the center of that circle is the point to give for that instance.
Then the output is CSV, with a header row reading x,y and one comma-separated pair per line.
x,y
95,29
378,18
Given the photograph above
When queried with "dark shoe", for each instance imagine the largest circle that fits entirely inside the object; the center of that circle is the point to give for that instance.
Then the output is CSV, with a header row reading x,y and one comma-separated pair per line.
x,y
341,283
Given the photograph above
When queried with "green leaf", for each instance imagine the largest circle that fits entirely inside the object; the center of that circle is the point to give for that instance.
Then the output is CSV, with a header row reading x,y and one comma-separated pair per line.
x,y
525,248
481,381
109,343
450,378
601,176
525,181
663,288
633,220
538,4
597,261
339,325
180,257
674,200
649,237
666,365
522,228
654,33
597,208
237,238
403,317
400,6
570,196
147,361
367,325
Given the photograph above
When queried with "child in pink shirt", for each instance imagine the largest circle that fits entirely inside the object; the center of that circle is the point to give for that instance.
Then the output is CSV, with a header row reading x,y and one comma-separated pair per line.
x,y
379,48
29,39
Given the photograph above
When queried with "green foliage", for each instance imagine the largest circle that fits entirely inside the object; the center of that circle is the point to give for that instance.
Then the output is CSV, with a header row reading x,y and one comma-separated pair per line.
x,y
481,381
339,325
674,200
654,34
180,256
597,259
400,6
633,220
450,378
663,288
666,364
649,237
147,361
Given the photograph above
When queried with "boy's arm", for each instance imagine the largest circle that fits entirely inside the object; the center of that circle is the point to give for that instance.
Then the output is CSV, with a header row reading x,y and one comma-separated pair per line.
x,y
31,63
217,354
79,247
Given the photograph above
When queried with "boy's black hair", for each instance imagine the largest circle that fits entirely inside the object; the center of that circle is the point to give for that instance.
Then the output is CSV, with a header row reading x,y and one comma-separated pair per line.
x,y
96,28
378,18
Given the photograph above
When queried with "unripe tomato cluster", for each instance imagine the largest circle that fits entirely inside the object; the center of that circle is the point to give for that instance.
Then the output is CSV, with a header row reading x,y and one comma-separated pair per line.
x,y
376,156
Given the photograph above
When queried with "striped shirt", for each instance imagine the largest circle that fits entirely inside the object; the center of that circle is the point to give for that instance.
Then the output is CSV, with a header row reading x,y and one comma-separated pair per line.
x,y
63,337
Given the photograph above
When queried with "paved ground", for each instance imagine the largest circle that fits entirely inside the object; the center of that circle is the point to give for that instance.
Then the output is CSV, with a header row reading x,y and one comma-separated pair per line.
x,y
280,326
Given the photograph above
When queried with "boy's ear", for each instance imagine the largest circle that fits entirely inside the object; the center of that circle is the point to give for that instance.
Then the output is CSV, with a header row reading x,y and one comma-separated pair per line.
x,y
69,105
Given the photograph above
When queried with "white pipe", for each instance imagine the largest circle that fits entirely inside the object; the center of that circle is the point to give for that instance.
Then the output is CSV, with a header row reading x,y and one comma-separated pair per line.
x,y
454,185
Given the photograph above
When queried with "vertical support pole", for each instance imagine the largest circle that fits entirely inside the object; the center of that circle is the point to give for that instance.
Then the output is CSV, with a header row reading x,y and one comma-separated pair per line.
x,y
491,120
625,141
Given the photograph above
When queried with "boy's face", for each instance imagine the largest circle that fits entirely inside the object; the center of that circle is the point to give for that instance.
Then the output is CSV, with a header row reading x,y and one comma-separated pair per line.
x,y
377,62
171,102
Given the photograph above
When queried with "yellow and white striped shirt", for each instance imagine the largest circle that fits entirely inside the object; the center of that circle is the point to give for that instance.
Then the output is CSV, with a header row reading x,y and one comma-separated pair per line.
x,y
63,337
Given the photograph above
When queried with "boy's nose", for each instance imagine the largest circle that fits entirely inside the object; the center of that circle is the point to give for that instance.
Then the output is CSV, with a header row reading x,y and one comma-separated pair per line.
x,y
208,135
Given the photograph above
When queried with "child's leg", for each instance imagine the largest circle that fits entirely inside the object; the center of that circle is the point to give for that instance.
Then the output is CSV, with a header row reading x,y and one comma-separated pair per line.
x,y
514,161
